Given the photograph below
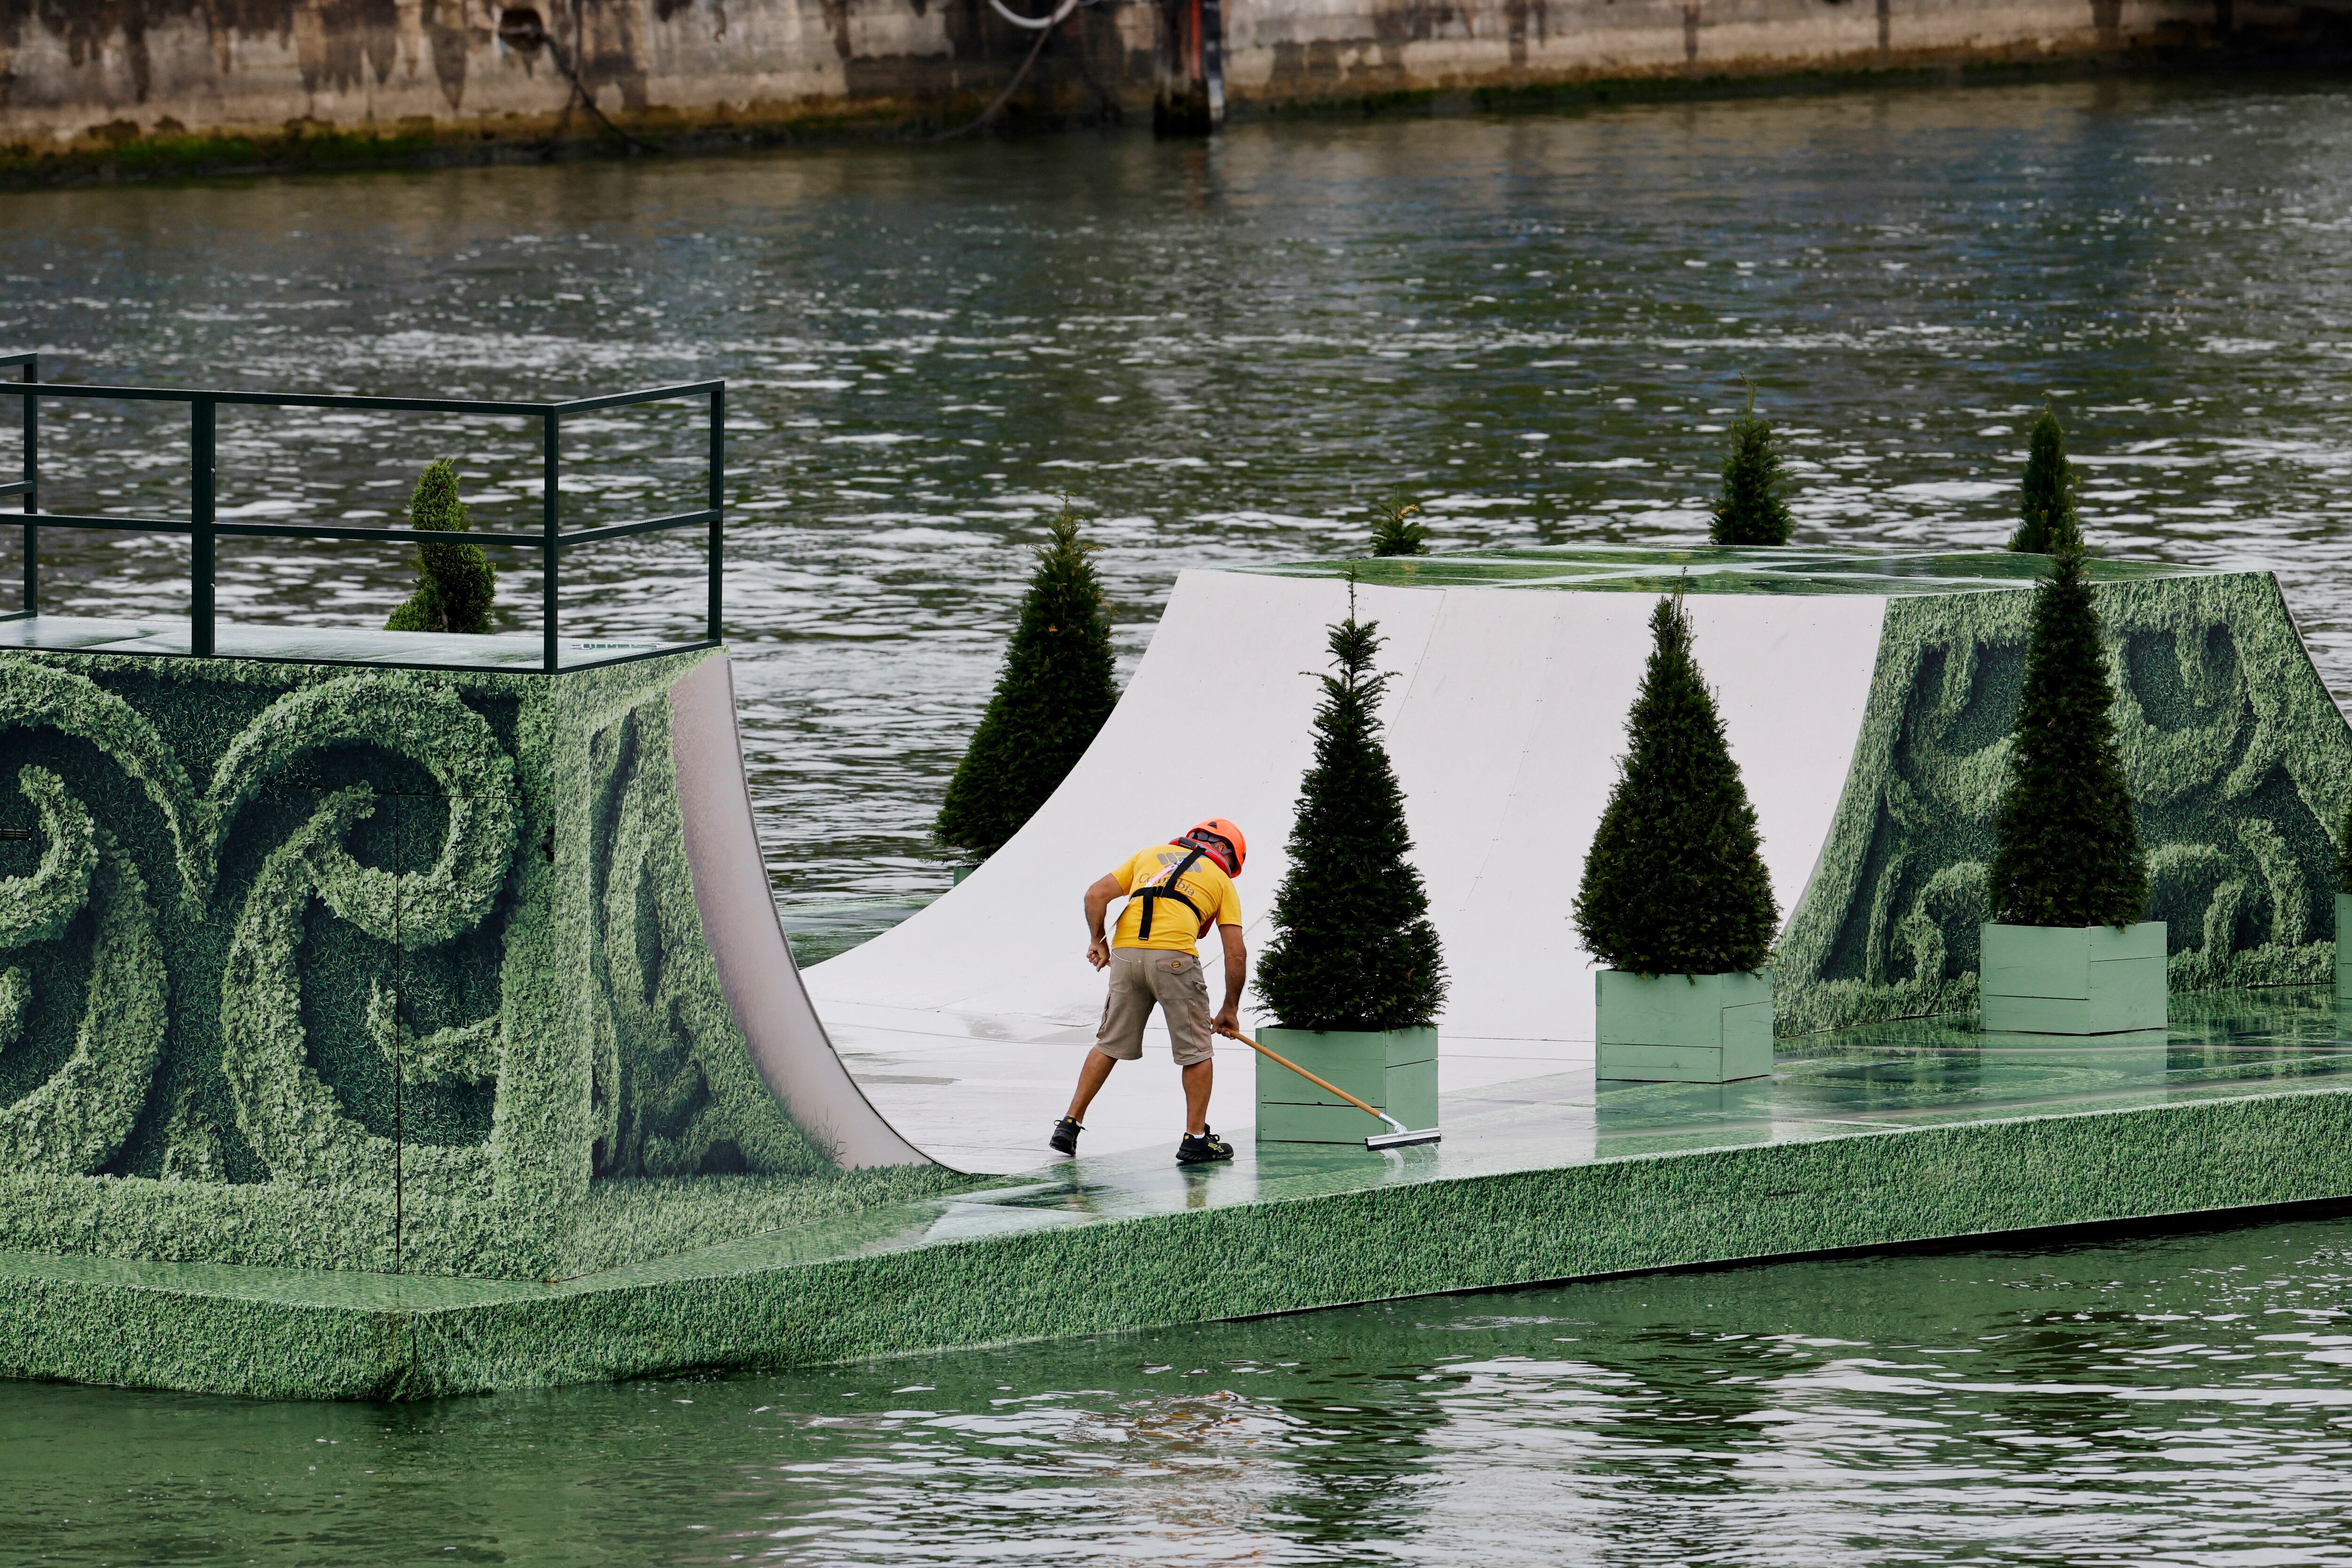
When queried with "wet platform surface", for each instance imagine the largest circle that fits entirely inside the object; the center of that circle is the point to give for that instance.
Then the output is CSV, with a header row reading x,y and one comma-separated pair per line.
x,y
1883,1079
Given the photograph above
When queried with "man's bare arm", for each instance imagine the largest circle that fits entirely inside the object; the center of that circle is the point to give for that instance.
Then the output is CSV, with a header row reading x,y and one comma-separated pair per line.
x,y
1098,898
1229,1019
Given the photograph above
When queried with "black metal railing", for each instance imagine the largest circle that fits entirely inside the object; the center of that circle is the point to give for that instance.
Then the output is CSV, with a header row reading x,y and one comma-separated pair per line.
x,y
203,527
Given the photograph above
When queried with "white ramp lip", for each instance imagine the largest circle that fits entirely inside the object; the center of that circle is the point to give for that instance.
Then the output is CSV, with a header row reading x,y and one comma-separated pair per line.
x,y
795,1056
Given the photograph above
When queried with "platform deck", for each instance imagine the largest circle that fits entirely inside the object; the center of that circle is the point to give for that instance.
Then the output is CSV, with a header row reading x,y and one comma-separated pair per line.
x,y
1873,1137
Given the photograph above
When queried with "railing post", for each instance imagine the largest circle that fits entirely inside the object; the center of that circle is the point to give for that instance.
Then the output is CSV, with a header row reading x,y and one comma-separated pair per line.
x,y
200,516
30,412
718,504
548,551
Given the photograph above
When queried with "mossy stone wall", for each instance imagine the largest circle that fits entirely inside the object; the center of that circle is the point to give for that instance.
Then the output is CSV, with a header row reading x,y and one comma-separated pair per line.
x,y
355,969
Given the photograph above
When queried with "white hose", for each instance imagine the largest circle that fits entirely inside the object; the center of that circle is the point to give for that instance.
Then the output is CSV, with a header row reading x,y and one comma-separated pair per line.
x,y
1034,24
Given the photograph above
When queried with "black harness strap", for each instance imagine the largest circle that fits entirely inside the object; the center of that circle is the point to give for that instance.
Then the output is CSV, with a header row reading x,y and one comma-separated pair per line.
x,y
1151,896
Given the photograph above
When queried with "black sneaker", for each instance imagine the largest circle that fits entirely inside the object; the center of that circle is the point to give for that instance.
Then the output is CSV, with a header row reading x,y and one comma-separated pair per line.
x,y
1065,1137
1200,1147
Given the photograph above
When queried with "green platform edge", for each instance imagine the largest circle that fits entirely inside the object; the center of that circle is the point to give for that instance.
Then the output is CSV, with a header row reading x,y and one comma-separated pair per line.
x,y
280,1333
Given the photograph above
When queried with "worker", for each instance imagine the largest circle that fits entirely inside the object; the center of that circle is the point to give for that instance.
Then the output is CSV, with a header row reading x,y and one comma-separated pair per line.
x,y
1175,892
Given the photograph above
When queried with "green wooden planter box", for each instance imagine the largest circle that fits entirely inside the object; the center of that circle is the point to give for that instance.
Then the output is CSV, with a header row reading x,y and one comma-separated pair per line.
x,y
1683,1028
2343,953
1396,1072
2072,980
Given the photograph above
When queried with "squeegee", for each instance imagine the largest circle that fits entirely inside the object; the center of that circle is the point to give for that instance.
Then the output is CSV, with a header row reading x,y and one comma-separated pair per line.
x,y
1399,1139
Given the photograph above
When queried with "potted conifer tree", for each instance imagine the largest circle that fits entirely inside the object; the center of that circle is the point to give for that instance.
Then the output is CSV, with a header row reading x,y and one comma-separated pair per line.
x,y
455,582
1394,532
1675,900
2066,951
1353,974
2046,520
1053,694
1749,510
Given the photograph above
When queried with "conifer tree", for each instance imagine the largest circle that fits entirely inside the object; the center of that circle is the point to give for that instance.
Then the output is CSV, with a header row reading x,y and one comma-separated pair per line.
x,y
1353,947
455,582
1053,694
1395,532
2045,514
1750,510
2067,844
1674,884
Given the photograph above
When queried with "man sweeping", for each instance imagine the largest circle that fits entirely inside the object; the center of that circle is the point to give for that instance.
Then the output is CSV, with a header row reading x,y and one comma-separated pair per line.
x,y
1175,892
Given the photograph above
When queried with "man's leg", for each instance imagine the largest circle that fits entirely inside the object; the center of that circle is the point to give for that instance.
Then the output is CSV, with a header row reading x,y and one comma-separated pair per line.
x,y
1185,998
1126,1004
1198,1079
1092,1073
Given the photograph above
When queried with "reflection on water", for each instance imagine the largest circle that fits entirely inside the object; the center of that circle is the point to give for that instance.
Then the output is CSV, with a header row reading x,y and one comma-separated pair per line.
x,y
2173,1400
1535,324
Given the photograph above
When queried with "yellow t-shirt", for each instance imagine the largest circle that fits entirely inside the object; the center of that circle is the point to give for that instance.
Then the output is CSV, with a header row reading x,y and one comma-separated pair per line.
x,y
1173,925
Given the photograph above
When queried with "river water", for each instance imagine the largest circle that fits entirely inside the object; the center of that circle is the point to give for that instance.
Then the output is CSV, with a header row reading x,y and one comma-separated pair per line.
x,y
2173,1401
1537,326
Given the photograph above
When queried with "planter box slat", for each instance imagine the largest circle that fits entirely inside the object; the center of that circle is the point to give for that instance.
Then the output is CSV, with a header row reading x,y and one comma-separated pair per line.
x,y
1396,1071
2343,951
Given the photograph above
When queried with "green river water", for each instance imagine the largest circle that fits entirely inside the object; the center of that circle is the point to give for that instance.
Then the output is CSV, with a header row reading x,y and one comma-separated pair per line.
x,y
2161,1400
1536,325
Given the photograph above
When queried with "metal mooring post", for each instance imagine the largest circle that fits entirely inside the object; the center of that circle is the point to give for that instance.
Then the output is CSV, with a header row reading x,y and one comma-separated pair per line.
x,y
1212,59
200,519
1190,99
29,412
717,502
548,549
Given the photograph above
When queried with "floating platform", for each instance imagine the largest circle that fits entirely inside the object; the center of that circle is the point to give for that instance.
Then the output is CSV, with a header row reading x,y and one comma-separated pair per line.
x,y
1865,1138
382,1015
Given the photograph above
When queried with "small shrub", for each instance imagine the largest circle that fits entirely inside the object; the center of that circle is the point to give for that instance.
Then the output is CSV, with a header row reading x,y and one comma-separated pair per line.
x,y
2068,850
1675,883
2045,512
1353,947
454,584
1053,694
1395,532
1750,510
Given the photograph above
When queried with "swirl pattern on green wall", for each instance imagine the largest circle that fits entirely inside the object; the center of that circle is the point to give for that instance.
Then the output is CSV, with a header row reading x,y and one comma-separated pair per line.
x,y
457,984
2237,759
74,1123
433,726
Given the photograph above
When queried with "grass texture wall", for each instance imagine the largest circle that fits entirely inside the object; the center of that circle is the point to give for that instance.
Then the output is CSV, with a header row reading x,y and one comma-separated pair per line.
x,y
758,1304
2238,758
390,970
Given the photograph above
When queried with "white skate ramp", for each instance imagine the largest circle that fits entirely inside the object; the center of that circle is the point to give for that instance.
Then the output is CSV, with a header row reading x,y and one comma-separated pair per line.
x,y
966,1025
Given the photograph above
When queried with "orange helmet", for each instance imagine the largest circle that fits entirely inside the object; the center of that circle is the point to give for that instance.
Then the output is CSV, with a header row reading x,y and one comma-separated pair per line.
x,y
1220,827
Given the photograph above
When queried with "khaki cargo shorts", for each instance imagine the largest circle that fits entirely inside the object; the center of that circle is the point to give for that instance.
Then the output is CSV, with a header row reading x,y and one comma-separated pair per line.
x,y
1140,976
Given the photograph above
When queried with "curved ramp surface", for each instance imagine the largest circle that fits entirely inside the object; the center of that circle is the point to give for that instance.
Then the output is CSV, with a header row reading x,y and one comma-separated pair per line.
x,y
748,948
966,1025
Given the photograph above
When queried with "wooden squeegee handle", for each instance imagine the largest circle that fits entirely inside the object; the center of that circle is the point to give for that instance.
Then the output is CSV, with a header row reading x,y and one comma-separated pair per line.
x,y
1310,1076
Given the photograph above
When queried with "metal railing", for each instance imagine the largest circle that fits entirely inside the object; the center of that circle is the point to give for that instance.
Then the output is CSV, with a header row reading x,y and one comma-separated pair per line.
x,y
203,527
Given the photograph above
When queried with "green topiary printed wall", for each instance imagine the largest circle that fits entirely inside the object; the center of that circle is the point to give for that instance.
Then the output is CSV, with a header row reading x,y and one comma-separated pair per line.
x,y
2238,758
379,969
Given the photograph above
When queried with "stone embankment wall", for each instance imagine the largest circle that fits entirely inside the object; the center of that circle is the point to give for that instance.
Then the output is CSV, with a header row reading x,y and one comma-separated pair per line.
x,y
104,78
